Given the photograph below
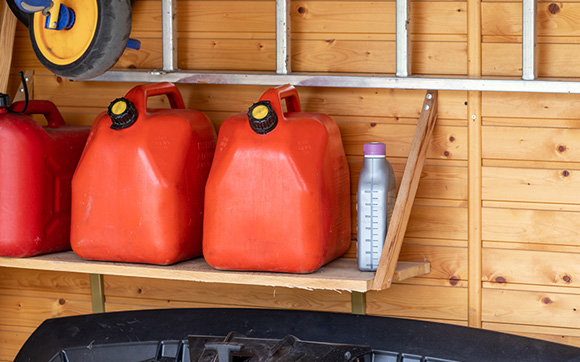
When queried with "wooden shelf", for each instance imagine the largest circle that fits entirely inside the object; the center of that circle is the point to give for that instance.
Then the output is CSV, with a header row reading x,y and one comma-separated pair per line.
x,y
341,274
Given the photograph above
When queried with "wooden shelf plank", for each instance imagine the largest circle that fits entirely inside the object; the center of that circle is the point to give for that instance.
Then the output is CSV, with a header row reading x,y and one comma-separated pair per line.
x,y
341,274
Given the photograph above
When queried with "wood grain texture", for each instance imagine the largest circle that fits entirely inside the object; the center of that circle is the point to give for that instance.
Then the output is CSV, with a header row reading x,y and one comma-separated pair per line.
x,y
416,301
29,311
226,294
437,182
530,143
7,32
11,339
554,59
531,105
536,307
448,263
505,18
406,194
512,266
531,226
44,281
448,142
531,185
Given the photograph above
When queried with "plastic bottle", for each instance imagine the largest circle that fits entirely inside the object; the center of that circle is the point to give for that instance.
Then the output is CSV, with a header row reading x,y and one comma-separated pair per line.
x,y
375,196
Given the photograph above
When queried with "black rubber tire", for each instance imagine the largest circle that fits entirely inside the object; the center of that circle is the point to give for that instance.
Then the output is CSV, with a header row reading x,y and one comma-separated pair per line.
x,y
107,46
23,17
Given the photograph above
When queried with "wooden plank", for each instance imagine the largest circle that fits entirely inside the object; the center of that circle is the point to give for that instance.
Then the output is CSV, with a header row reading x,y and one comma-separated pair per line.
x,y
439,222
11,340
342,274
531,307
531,226
533,185
369,17
416,301
7,32
228,295
519,143
531,122
449,263
569,336
27,311
513,266
554,60
448,142
554,19
406,194
531,105
44,281
437,182
359,17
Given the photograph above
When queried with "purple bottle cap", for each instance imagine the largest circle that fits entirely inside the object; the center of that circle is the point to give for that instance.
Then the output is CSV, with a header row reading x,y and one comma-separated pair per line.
x,y
375,149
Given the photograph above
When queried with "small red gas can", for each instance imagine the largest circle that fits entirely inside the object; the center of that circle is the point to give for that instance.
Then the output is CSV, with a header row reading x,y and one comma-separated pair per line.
x,y
137,195
36,167
278,195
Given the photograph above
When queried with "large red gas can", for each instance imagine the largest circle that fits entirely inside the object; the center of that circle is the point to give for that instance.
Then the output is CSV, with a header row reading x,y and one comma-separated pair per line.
x,y
137,195
278,195
36,167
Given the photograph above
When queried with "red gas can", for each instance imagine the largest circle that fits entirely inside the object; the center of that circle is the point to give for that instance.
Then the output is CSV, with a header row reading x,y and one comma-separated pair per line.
x,y
278,195
36,167
137,195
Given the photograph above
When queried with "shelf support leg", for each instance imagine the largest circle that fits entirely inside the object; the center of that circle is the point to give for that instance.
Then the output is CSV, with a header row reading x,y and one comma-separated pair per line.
x,y
406,194
358,303
97,293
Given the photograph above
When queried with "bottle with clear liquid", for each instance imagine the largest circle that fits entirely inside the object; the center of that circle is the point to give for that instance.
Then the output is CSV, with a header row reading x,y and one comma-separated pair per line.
x,y
375,196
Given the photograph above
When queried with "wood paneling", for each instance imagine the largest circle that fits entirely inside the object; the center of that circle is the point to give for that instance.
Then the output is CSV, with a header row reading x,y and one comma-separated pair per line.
x,y
531,307
531,226
415,301
527,143
226,295
513,266
556,185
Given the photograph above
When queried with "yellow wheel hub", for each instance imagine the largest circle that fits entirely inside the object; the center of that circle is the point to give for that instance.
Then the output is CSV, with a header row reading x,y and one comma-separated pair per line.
x,y
63,47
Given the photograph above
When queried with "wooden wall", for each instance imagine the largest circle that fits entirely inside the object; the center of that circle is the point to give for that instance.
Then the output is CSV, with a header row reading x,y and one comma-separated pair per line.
x,y
498,208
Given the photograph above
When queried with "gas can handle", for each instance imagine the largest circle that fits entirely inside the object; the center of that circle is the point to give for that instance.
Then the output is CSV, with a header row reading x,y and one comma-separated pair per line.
x,y
139,95
276,95
46,108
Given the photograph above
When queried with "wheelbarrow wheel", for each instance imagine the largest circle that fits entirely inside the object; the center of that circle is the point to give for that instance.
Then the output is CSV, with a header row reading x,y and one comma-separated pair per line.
x,y
94,44
23,17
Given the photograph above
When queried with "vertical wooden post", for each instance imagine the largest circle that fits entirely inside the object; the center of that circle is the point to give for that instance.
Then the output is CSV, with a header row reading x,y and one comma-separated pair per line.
x,y
474,165
7,32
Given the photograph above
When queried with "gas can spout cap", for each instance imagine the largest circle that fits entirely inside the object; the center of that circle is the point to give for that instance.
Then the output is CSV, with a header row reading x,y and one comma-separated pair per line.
x,y
262,117
122,113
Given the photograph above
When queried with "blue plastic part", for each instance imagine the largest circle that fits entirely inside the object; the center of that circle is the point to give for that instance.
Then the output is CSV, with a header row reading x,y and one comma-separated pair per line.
x,y
66,19
134,44
32,6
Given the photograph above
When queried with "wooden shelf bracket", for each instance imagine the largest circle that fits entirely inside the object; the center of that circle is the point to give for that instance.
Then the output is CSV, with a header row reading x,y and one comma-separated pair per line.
x,y
407,190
